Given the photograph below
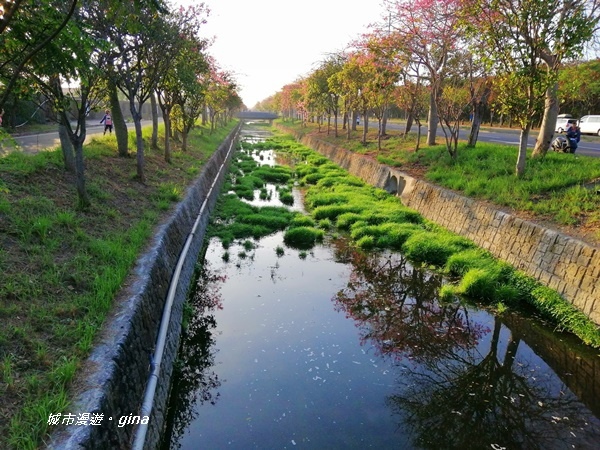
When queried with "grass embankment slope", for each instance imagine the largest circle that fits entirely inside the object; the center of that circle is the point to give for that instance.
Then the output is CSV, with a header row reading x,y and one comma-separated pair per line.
x,y
61,267
561,191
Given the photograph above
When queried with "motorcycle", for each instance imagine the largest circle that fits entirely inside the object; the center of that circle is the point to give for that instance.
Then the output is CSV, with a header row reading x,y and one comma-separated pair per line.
x,y
564,144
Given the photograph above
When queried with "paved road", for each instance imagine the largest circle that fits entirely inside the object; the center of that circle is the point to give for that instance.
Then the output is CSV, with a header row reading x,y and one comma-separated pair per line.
x,y
589,145
33,143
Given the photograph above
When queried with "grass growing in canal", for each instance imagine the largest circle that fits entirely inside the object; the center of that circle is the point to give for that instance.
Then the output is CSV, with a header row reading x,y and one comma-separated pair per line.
x,y
376,220
61,267
559,188
235,219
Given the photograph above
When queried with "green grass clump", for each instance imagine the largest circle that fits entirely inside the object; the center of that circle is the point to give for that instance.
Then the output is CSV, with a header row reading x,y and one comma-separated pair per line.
x,y
479,284
276,174
433,248
460,263
300,220
286,197
331,212
395,235
303,238
325,224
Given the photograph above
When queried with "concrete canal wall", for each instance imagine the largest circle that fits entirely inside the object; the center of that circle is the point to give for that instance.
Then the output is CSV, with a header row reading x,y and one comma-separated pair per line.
x,y
114,378
561,262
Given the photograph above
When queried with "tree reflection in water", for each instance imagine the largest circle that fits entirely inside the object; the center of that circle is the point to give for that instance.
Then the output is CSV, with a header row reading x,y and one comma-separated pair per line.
x,y
452,393
194,381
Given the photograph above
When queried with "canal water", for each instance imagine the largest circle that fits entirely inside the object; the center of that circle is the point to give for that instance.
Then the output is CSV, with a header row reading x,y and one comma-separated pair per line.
x,y
335,348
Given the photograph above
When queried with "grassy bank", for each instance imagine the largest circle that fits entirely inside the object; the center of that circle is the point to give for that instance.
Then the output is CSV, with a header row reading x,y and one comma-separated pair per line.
x,y
61,267
560,189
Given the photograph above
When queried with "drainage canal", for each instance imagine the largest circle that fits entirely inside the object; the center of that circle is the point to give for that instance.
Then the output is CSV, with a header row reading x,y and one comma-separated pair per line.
x,y
335,348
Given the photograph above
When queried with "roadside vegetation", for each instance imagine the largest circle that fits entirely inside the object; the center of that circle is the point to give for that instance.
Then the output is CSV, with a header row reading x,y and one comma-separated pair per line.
x,y
559,189
341,203
61,266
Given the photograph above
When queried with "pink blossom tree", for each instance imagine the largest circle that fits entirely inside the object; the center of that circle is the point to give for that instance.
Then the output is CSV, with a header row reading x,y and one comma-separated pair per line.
x,y
429,31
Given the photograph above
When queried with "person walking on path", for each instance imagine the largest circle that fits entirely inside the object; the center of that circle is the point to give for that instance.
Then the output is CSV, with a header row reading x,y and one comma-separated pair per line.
x,y
107,121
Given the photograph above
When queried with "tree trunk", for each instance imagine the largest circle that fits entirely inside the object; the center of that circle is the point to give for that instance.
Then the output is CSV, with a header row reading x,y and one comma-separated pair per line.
x,y
351,120
478,109
335,123
409,122
118,120
548,122
522,157
365,127
137,121
475,126
184,141
432,118
67,148
154,109
383,126
62,120
204,119
166,114
82,194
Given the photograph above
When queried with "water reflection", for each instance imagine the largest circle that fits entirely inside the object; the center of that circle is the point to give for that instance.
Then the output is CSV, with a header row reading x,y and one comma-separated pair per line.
x,y
460,384
280,367
195,381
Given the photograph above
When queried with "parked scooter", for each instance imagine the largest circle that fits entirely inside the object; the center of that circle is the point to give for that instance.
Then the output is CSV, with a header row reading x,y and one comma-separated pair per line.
x,y
563,144
568,143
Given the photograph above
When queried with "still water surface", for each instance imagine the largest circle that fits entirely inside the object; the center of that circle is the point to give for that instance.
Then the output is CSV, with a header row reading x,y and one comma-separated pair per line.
x,y
337,349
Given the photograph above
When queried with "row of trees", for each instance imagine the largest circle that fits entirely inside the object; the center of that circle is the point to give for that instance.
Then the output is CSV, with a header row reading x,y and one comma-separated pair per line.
x,y
445,58
141,49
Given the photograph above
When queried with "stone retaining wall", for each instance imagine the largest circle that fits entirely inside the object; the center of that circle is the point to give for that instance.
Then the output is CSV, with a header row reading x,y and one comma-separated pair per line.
x,y
561,262
113,380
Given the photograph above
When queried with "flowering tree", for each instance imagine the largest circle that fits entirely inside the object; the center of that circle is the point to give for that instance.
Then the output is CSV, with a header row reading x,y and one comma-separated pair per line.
x,y
220,95
290,96
429,30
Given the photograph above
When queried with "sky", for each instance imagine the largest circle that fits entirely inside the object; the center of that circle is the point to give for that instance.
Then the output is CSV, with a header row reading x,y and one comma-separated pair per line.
x,y
267,44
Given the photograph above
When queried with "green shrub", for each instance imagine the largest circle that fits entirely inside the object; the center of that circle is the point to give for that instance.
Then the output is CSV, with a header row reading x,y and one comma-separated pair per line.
x,y
448,293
